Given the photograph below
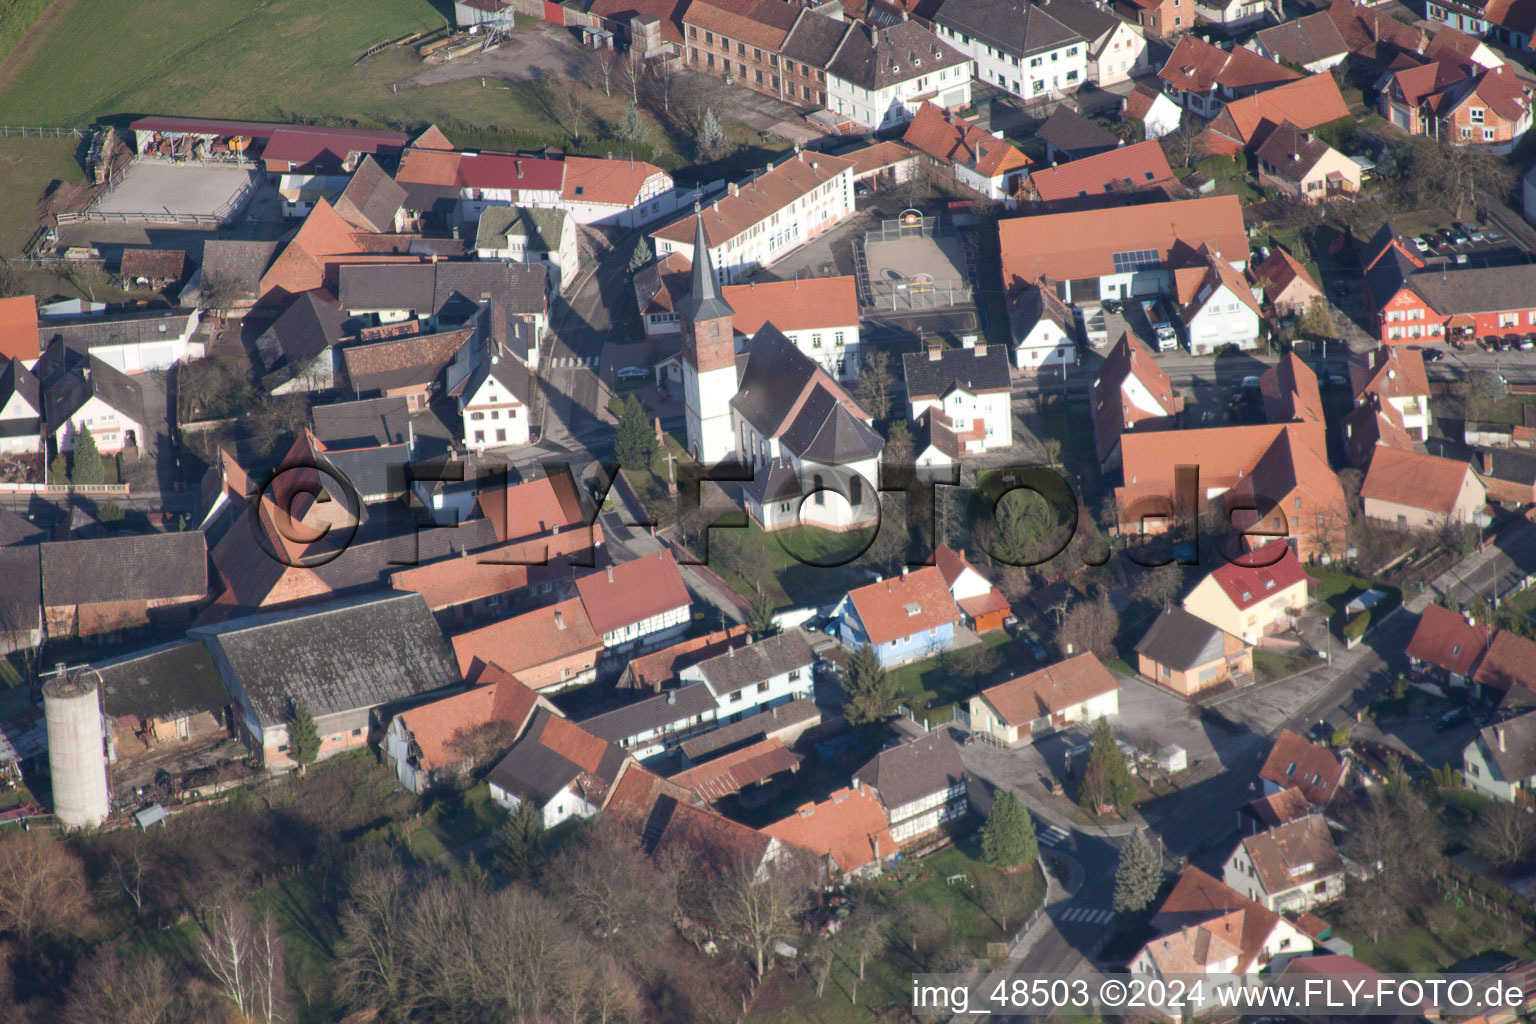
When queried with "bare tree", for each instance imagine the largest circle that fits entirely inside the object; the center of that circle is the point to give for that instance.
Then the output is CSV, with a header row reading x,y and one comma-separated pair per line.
x,y
663,74
573,111
757,906
128,876
372,961
108,988
1505,834
631,71
607,63
874,387
1002,897
1090,626
612,891
246,959
42,885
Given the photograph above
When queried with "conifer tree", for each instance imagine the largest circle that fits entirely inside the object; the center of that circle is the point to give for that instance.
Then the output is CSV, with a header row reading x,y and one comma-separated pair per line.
x,y
303,736
869,692
1008,837
1139,876
86,459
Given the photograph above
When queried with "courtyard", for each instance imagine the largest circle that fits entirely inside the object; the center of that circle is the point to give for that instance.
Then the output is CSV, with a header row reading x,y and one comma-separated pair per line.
x,y
152,189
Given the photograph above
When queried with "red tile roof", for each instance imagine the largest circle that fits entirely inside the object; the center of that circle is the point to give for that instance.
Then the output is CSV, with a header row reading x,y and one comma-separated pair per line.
x,y
1373,423
1290,391
615,182
1290,804
324,241
18,328
951,563
1414,479
619,13
1329,964
532,508
1198,898
1071,246
758,199
878,155
1125,169
1306,103
1198,66
633,591
1313,769
718,844
1392,371
436,727
498,570
904,605
1510,661
1051,690
953,140
530,640
1445,639
1114,410
850,827
653,671
1280,271
797,305
1245,585
763,23
733,772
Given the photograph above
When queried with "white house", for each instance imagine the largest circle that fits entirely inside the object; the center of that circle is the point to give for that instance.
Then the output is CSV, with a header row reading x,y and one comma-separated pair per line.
x,y
494,404
1079,689
642,601
983,162
968,389
1218,308
771,214
1117,49
753,678
1017,46
1500,762
820,315
1250,601
95,396
1290,868
921,783
878,77
529,235
1233,16
1043,326
1395,374
1158,114
21,413
619,192
565,770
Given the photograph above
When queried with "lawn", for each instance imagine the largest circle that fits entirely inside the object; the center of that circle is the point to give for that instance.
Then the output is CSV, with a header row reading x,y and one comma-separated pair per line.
x,y
1451,934
27,168
1230,177
1336,588
888,978
453,820
934,683
1271,665
799,567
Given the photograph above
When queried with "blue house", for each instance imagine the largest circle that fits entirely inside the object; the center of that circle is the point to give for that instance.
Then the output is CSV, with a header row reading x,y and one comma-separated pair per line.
x,y
904,618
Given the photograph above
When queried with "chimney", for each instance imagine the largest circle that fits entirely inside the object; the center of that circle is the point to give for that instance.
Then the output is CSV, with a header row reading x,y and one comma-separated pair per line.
x,y
734,189
671,696
1068,651
935,353
1498,731
981,348
610,574
715,206
559,620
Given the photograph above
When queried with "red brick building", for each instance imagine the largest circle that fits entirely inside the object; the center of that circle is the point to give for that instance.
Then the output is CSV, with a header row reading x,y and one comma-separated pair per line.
x,y
1413,301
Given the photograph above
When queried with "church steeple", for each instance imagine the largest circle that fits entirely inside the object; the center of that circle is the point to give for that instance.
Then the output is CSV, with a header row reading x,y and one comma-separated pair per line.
x,y
704,300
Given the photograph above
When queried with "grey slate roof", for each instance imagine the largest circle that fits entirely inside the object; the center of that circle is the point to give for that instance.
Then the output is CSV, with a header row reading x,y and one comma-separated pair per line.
x,y
1034,303
1303,41
742,666
814,39
168,681
367,423
371,199
533,769
1506,464
1181,641
311,324
774,375
343,656
18,529
239,262
1517,761
385,545
826,432
754,727
1476,289
877,60
975,369
1292,152
655,712
1075,135
450,290
21,605
777,481
915,769
142,567
65,396
373,471
1089,20
704,301
122,329
1015,27
541,227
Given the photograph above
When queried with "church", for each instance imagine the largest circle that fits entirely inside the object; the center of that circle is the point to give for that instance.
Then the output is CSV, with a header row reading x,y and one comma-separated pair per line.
x,y
813,454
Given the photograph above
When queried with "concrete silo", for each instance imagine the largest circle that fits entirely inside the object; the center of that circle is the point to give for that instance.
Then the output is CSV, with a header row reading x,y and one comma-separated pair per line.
x,y
76,761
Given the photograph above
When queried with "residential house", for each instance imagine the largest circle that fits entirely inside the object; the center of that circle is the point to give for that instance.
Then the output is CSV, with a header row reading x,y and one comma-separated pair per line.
x,y
534,508
879,75
922,784
985,164
819,314
969,390
1116,48
1079,689
496,403
1288,869
1374,39
1372,424
651,726
785,723
729,774
804,437
1310,767
21,606
1244,124
1290,393
903,618
437,743
456,188
1216,305
529,235
758,221
1112,178
1312,42
299,351
565,771
98,398
522,575
128,342
1189,655
1165,18
617,192
984,605
1286,285
660,287
1506,674
1412,301
21,410
1201,77
1232,17
1019,47
152,268
1131,392
1259,939
755,677
1069,135
1500,762
1265,592
1123,252
351,663
1448,645
547,649
643,601
1158,114
849,832
1043,326
412,368
1509,477
369,423
101,586
310,258
718,845
1416,491
1396,376
168,693
372,199
739,41
659,669
1304,167
1272,811
1457,101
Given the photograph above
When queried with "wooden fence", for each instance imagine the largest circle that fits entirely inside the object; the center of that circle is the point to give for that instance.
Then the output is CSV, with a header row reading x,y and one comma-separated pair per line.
x,y
8,131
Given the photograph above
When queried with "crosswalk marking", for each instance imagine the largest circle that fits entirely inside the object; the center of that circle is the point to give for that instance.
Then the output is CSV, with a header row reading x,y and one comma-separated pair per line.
x,y
1088,915
1051,835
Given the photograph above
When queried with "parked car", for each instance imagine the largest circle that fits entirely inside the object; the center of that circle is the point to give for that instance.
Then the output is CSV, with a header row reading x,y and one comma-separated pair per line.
x,y
1492,236
1421,243
962,736
1454,236
1433,355
1250,383
1527,343
1451,719
1471,231
634,373
861,188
